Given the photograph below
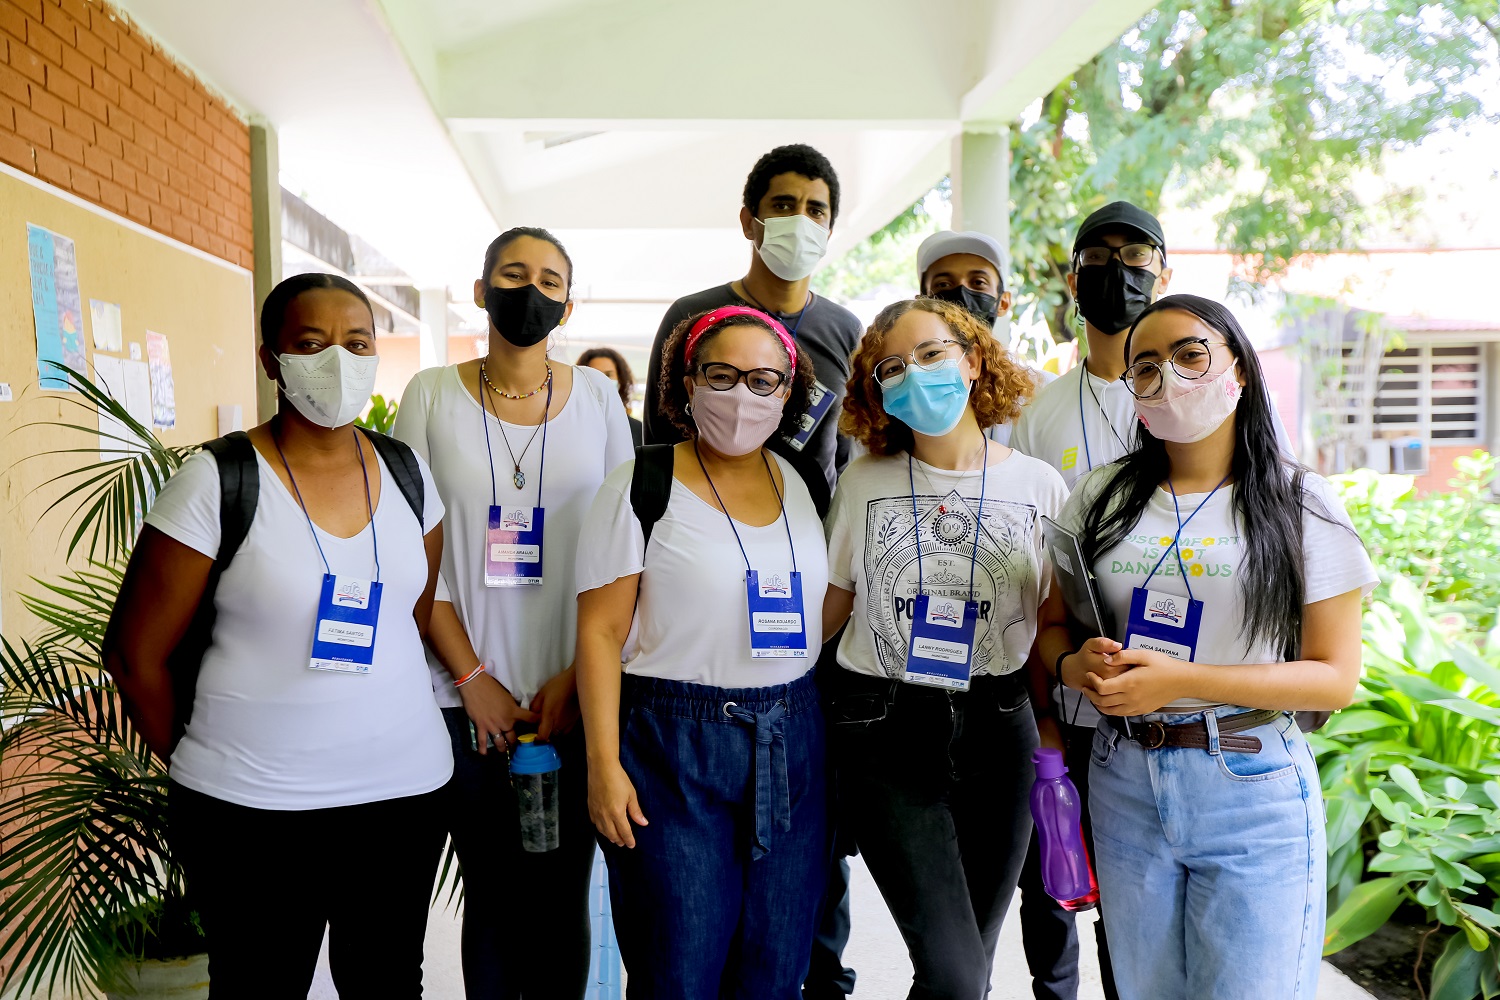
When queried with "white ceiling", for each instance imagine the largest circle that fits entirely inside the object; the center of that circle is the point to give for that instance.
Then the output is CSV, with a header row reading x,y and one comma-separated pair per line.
x,y
422,125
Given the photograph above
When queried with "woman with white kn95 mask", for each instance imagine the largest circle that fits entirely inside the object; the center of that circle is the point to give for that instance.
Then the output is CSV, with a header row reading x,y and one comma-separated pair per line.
x,y
267,643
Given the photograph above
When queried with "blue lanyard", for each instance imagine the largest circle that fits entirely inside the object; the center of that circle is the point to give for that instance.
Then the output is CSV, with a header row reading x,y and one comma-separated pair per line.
x,y
541,463
779,501
1083,424
792,330
978,518
1181,526
310,527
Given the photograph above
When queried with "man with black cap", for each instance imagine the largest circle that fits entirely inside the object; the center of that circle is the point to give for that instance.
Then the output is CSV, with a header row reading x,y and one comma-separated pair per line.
x,y
1083,419
968,269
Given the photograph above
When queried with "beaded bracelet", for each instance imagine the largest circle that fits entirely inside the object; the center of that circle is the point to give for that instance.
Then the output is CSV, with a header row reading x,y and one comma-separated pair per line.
x,y
466,678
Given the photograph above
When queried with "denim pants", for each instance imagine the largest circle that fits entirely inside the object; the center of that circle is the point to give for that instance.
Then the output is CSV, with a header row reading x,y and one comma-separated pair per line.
x,y
934,786
519,906
720,894
1211,864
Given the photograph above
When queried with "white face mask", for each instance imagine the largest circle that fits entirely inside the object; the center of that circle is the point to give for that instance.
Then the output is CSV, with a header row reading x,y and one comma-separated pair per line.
x,y
792,246
329,388
1188,410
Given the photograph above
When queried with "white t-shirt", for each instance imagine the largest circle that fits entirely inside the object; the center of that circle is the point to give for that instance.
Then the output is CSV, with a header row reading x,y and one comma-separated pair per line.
x,y
872,551
1000,433
1212,548
268,731
692,618
524,635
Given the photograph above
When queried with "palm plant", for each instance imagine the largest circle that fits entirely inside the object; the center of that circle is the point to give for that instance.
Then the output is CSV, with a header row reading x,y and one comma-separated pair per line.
x,y
87,880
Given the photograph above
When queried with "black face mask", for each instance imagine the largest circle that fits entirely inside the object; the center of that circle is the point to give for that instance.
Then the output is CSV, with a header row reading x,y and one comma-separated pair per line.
x,y
525,315
980,306
1112,296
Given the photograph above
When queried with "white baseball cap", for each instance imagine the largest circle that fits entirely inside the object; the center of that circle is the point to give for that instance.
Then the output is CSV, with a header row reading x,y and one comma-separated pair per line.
x,y
944,244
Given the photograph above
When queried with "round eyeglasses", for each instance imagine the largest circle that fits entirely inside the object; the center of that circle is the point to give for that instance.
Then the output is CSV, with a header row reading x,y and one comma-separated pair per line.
x,y
1131,255
722,377
1191,360
891,372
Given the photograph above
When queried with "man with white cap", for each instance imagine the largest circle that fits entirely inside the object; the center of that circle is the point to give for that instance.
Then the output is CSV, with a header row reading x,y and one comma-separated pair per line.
x,y
968,269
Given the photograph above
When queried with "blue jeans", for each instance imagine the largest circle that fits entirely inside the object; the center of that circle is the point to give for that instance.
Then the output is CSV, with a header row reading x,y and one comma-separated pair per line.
x,y
1211,864
720,894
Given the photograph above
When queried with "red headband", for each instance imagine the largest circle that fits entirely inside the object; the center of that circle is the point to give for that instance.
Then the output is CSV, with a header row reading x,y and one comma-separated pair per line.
x,y
727,312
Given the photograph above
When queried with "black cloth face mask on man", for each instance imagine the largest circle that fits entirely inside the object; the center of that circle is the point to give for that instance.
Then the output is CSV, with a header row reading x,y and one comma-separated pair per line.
x,y
981,306
524,315
1112,296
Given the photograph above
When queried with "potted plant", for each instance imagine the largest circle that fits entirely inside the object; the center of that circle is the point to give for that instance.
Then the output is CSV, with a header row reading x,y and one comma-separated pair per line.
x,y
90,898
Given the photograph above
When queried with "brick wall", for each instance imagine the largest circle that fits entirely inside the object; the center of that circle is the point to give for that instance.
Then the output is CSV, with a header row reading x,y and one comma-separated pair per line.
x,y
92,105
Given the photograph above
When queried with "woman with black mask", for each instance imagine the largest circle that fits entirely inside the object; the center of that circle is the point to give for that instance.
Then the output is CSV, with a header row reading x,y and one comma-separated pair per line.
x,y
519,445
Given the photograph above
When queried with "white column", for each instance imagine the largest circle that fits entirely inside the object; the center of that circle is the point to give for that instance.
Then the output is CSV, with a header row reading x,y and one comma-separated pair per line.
x,y
433,351
981,190
265,220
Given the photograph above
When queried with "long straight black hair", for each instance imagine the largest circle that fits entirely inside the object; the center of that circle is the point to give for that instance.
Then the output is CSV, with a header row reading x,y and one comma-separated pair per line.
x,y
1267,507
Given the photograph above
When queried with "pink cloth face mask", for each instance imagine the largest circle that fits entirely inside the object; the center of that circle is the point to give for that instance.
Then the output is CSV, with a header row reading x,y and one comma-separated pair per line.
x,y
1189,410
736,421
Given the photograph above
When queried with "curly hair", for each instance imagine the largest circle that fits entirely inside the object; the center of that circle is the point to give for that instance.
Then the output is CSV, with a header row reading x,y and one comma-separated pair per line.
x,y
1003,383
673,394
624,377
800,159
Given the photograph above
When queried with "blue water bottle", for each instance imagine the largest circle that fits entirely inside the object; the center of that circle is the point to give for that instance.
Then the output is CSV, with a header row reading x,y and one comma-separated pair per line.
x,y
535,770
1055,806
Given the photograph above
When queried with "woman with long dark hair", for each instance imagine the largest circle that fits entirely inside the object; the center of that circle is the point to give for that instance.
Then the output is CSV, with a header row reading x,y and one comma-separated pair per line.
x,y
1234,579
615,368
519,445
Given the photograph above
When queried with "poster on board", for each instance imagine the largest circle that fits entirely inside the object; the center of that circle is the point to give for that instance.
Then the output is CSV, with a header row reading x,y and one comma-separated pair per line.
x,y
56,307
109,375
137,398
108,334
163,394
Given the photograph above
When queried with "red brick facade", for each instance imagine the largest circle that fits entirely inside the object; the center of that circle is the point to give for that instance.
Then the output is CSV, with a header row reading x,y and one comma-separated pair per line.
x,y
92,105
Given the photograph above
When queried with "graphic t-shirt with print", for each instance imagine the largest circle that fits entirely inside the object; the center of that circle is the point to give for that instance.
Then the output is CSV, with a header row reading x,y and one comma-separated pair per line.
x,y
1212,548
872,551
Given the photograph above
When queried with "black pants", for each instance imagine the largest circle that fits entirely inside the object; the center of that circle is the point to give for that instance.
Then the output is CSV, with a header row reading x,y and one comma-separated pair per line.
x,y
526,926
266,883
1048,932
935,788
828,978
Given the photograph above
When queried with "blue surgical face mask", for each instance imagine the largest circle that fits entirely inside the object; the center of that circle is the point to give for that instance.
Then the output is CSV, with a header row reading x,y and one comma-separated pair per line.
x,y
929,402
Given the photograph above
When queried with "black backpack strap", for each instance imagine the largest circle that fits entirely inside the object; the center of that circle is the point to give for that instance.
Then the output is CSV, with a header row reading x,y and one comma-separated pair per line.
x,y
651,485
402,462
239,493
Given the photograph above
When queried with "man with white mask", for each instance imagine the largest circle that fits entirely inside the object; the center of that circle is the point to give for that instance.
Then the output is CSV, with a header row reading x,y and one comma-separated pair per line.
x,y
791,202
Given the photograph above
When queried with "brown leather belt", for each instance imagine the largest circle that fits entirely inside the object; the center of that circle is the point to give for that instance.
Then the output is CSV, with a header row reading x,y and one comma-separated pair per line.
x,y
1194,735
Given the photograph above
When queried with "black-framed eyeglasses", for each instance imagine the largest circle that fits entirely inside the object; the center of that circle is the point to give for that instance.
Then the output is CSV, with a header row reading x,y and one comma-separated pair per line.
x,y
1191,360
1131,255
891,372
722,377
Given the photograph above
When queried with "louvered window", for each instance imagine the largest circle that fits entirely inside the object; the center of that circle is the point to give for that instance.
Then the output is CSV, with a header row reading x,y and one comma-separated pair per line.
x,y
1432,392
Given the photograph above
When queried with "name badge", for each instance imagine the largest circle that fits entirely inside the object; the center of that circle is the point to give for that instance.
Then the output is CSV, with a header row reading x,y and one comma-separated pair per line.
x,y
513,546
348,611
942,642
777,626
1164,622
820,401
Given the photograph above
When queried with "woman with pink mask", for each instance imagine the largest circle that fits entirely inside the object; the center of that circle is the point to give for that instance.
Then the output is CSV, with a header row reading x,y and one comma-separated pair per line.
x,y
702,568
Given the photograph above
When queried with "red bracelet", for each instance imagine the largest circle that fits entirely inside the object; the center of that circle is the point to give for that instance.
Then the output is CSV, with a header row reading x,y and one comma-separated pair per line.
x,y
466,678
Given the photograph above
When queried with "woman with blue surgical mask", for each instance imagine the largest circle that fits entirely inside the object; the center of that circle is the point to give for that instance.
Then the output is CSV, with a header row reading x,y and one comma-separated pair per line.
x,y
935,560
306,754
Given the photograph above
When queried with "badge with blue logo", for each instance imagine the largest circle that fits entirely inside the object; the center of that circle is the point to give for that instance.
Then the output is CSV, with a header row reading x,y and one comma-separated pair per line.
x,y
820,400
1166,623
513,546
942,642
348,611
777,626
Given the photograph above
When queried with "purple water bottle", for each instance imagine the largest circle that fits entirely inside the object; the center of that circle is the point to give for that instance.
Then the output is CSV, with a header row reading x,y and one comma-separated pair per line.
x,y
1066,873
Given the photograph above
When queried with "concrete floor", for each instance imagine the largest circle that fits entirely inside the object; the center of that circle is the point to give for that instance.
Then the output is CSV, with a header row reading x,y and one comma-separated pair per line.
x,y
876,952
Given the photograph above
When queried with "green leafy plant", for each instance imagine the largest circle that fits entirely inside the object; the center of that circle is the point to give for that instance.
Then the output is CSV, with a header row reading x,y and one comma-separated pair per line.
x,y
381,415
1411,779
87,881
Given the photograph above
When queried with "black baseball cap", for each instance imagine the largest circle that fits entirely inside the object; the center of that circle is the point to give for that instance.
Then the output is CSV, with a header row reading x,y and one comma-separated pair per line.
x,y
1121,215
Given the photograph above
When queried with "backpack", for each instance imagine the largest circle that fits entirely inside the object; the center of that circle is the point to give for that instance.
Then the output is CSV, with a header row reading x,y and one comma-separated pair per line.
x,y
651,485
239,493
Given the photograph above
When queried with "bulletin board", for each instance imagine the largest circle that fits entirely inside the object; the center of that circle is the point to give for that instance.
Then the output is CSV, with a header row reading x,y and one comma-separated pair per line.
x,y
201,305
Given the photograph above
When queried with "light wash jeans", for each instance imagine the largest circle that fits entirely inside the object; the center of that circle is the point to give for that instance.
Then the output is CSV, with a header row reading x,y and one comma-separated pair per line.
x,y
1211,865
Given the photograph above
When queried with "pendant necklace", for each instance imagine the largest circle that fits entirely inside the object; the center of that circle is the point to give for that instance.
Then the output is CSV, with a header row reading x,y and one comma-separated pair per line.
x,y
518,477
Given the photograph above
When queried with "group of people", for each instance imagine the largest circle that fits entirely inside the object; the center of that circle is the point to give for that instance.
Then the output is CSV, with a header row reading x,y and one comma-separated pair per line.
x,y
752,654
